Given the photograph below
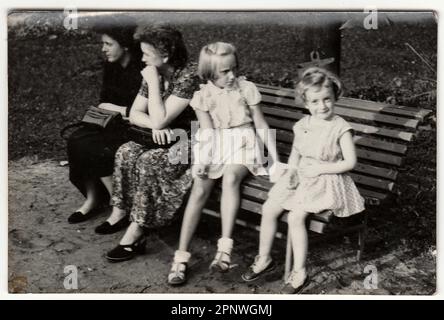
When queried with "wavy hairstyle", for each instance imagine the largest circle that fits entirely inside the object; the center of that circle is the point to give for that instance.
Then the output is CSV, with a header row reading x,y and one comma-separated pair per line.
x,y
318,78
167,40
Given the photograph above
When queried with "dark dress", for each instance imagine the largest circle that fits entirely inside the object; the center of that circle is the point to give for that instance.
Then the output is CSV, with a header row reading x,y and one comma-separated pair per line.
x,y
146,183
91,151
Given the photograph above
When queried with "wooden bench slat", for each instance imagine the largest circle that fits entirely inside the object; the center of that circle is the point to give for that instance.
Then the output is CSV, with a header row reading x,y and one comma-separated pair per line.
x,y
347,112
378,144
360,104
287,136
380,157
368,129
376,171
384,108
372,182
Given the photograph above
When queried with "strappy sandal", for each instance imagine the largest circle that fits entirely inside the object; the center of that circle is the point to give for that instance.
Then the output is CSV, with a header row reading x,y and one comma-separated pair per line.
x,y
178,272
222,262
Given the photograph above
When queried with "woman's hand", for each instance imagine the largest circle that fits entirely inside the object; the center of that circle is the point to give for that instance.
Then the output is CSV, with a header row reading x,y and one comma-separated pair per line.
x,y
310,171
162,136
150,73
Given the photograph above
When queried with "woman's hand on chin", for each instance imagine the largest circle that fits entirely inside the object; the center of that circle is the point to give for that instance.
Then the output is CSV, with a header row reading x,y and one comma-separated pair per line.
x,y
150,73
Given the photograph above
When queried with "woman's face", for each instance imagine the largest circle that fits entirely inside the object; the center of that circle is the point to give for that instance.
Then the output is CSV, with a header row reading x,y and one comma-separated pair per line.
x,y
151,56
112,49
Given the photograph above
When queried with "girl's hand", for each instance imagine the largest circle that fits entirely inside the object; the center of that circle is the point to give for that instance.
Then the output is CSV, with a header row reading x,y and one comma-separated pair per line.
x,y
202,171
310,171
150,73
277,170
293,180
162,136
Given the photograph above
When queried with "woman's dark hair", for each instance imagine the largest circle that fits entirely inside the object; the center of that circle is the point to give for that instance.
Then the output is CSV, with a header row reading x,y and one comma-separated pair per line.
x,y
167,40
121,28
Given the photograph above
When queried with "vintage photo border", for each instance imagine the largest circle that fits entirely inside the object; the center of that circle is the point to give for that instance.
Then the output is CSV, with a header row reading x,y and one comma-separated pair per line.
x,y
173,5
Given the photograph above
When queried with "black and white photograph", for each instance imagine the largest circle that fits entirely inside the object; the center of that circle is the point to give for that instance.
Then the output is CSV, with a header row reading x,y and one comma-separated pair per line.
x,y
255,152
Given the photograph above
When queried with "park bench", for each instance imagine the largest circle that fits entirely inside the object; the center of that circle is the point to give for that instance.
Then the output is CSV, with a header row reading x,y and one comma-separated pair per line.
x,y
382,133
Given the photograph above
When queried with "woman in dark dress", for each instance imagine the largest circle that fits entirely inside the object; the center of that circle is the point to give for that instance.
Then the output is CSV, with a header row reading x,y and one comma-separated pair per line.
x,y
91,151
147,184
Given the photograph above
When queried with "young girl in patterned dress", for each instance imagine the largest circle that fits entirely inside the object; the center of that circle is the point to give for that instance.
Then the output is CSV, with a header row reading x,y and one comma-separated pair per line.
x,y
315,180
228,113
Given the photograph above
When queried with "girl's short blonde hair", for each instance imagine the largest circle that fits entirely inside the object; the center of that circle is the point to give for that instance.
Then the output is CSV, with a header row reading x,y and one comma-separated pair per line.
x,y
318,78
210,57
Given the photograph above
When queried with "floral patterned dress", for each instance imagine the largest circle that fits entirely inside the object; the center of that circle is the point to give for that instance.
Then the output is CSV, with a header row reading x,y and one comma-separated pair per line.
x,y
146,182
318,144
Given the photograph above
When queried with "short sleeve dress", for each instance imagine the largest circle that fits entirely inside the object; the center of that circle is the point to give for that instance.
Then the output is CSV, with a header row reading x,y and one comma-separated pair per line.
x,y
147,184
234,138
337,192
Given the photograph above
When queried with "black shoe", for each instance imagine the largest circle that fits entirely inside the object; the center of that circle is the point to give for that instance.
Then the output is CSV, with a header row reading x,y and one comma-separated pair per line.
x,y
127,252
289,289
78,216
107,228
250,275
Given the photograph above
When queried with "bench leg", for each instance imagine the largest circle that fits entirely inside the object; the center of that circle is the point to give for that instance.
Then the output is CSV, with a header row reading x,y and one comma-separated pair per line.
x,y
361,239
288,256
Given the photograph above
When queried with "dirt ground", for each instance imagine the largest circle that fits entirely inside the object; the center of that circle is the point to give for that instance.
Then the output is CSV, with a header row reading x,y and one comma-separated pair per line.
x,y
42,244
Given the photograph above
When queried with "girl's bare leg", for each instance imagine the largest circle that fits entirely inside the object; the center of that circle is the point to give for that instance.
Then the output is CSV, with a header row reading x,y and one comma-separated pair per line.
x,y
230,201
269,223
199,194
299,241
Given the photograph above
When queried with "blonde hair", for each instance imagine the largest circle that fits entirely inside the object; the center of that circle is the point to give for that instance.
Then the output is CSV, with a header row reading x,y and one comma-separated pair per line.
x,y
318,78
210,57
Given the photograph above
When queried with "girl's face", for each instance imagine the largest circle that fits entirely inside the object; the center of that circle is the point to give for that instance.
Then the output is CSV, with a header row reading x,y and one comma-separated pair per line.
x,y
226,72
112,49
320,102
152,56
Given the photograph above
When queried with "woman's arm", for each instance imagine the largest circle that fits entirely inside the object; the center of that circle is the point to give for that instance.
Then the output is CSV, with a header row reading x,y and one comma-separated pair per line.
x,y
349,162
264,131
113,107
205,138
138,114
161,113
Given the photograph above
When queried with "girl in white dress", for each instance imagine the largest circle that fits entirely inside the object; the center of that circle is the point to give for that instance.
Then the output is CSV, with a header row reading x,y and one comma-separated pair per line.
x,y
227,146
316,179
